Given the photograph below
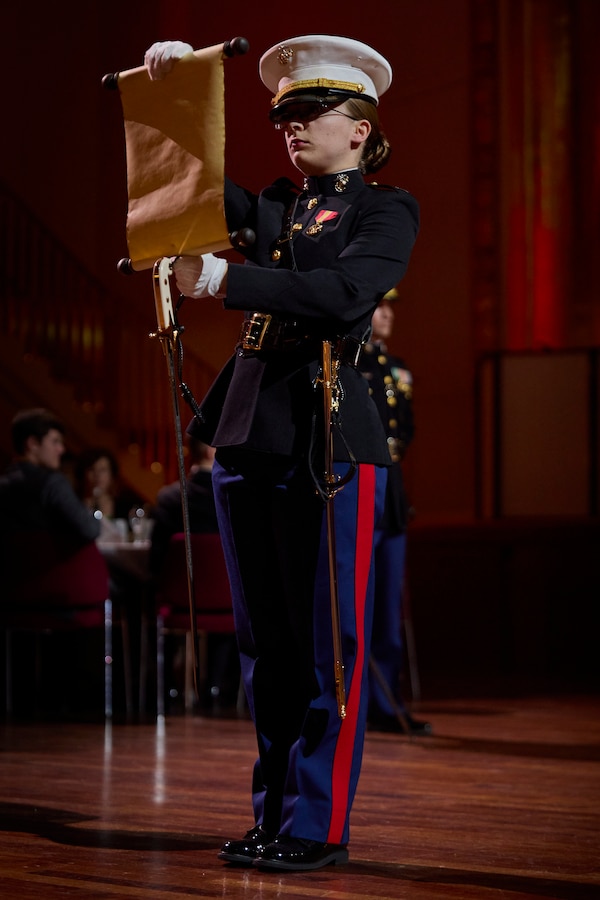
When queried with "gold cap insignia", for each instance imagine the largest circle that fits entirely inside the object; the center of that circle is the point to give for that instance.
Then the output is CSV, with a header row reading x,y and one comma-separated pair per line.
x,y
285,55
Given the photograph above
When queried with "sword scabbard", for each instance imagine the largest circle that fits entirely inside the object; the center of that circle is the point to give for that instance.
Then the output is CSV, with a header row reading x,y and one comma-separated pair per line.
x,y
328,409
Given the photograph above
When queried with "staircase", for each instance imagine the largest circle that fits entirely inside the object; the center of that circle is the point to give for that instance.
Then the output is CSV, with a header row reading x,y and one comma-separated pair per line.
x,y
69,344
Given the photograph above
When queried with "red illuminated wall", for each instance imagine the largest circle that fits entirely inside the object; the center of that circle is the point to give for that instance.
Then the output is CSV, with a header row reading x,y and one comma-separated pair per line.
x,y
493,118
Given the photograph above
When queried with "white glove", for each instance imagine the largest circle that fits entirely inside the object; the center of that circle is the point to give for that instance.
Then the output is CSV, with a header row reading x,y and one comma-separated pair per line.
x,y
200,276
160,58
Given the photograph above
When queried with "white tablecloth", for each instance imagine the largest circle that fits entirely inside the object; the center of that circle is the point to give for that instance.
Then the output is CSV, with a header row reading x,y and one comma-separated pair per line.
x,y
130,557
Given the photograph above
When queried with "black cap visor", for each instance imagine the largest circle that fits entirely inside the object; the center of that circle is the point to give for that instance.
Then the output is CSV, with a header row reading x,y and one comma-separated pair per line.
x,y
308,105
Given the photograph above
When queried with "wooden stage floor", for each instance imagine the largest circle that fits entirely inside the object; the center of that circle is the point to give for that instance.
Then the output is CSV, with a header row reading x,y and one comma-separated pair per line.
x,y
503,801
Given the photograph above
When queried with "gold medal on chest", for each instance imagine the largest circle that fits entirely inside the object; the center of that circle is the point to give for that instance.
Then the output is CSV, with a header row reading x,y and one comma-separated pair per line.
x,y
314,229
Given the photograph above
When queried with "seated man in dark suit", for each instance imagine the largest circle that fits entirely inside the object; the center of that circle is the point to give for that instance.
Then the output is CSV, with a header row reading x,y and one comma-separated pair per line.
x,y
44,527
34,494
168,513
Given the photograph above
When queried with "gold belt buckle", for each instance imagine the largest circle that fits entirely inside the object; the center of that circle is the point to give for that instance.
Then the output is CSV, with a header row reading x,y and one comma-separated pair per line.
x,y
254,331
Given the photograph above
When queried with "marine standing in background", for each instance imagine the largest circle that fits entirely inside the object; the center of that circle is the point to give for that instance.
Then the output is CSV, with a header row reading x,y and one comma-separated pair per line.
x,y
390,385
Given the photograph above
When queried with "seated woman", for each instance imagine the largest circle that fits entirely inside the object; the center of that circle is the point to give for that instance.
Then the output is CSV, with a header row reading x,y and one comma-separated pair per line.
x,y
98,484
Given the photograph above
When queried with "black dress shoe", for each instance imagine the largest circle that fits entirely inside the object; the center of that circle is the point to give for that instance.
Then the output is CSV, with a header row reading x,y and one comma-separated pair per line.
x,y
296,854
245,851
394,725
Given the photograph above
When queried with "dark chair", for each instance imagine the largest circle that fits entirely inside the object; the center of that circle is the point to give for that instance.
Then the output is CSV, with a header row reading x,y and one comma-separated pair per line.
x,y
49,587
212,602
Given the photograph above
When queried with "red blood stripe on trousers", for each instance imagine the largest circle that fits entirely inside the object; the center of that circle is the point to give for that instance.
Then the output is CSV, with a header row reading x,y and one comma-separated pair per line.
x,y
344,753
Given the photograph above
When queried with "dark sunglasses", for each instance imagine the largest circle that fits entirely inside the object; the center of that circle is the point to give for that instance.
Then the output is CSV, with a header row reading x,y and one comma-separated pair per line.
x,y
303,111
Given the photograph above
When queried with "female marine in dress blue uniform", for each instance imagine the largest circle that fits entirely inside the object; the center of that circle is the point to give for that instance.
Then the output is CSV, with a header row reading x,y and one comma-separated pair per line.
x,y
325,253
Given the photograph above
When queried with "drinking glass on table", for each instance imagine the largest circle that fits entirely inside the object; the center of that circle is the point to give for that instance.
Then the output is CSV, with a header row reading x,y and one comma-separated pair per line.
x,y
141,525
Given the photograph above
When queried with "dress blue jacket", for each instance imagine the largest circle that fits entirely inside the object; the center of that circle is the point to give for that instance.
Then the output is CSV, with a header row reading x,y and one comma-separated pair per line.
x,y
323,257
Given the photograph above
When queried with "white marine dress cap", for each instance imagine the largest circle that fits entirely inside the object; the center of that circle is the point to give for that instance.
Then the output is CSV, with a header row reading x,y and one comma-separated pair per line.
x,y
324,66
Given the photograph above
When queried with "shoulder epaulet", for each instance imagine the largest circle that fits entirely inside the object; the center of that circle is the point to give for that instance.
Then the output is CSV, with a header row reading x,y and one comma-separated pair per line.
x,y
386,187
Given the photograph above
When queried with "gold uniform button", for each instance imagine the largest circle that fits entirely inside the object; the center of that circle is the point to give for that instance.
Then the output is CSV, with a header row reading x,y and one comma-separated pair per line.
x,y
275,255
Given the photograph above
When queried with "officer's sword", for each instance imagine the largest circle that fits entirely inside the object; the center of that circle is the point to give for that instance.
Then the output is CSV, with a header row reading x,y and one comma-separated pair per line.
x,y
330,408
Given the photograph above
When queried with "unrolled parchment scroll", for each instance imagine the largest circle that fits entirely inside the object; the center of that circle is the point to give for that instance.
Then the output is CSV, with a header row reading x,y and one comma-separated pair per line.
x,y
175,145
